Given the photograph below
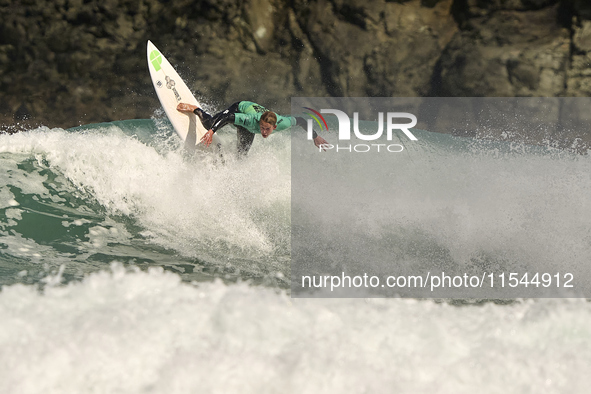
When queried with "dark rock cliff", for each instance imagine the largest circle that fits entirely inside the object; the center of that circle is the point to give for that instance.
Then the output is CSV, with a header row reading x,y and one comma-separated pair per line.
x,y
70,62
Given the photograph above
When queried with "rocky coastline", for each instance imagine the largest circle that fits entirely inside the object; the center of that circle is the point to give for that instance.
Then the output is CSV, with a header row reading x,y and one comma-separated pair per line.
x,y
69,62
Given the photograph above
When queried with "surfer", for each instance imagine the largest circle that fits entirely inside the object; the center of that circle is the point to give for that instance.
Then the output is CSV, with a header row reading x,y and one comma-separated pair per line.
x,y
250,119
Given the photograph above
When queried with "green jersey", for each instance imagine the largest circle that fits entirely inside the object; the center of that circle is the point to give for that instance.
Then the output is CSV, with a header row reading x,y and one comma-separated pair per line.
x,y
249,116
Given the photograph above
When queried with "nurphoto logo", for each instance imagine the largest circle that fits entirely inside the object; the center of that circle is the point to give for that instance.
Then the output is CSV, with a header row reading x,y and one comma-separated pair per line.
x,y
344,125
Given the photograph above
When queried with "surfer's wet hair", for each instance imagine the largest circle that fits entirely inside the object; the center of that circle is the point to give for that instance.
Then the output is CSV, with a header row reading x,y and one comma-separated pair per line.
x,y
269,117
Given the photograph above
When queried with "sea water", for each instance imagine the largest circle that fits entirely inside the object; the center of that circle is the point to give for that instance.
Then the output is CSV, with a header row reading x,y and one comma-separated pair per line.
x,y
129,264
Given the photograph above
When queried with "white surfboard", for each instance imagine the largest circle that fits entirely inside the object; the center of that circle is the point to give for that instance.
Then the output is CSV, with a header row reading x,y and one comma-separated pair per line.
x,y
171,91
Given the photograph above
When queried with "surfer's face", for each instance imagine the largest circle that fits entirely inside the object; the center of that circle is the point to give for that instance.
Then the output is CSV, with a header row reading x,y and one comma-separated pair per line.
x,y
266,128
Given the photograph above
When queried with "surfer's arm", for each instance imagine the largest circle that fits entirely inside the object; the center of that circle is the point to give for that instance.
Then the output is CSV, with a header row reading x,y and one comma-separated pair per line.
x,y
302,123
318,140
219,122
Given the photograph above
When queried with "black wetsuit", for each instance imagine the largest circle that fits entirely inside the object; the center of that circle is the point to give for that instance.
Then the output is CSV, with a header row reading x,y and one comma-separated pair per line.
x,y
245,115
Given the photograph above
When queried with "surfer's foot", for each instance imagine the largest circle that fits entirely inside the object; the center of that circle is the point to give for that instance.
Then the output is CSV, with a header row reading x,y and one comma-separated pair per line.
x,y
183,107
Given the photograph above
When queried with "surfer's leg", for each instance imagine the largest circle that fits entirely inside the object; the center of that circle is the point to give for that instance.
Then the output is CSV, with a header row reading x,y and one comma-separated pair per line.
x,y
232,109
218,120
206,119
244,141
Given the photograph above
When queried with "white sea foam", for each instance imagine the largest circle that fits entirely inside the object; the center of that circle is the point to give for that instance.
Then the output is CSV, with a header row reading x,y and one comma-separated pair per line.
x,y
148,332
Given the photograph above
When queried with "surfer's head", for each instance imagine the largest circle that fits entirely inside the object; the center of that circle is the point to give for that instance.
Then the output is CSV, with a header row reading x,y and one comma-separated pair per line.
x,y
268,123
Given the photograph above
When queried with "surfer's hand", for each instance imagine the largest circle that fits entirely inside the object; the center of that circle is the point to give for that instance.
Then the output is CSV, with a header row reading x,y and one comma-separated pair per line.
x,y
207,138
183,107
319,142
